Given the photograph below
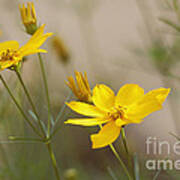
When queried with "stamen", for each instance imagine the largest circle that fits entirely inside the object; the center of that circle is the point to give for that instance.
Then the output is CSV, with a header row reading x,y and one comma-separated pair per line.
x,y
8,55
116,113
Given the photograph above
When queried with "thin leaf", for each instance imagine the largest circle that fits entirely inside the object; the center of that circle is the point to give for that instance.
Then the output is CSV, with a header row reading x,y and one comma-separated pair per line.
x,y
168,4
44,127
178,138
111,173
136,167
18,142
156,175
63,108
168,22
17,138
175,5
33,115
52,121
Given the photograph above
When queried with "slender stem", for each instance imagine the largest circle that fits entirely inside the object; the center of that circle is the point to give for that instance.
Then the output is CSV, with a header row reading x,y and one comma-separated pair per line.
x,y
46,91
121,162
60,114
119,159
126,147
18,106
55,131
157,174
15,138
30,100
19,142
53,160
124,140
63,108
174,76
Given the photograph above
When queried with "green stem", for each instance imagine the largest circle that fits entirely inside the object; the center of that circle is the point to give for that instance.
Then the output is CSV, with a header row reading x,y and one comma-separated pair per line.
x,y
63,108
46,91
119,159
121,162
54,131
15,138
18,106
30,100
53,160
125,141
126,147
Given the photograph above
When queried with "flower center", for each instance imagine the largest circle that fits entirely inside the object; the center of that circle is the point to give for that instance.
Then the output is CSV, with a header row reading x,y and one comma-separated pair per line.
x,y
116,113
7,55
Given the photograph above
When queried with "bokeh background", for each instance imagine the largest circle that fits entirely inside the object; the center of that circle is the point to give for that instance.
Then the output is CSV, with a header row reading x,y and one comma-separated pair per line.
x,y
115,42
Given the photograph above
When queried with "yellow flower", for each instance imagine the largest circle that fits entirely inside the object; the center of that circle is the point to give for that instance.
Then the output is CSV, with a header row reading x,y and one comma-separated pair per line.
x,y
60,49
82,91
130,105
28,16
11,54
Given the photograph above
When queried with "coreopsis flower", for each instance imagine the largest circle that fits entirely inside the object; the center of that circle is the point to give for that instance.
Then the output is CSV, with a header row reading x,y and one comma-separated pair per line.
x,y
130,105
11,54
28,16
82,90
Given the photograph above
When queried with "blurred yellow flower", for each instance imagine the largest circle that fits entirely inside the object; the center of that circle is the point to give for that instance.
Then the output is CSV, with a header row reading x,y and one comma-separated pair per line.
x,y
11,54
28,16
82,90
130,105
60,49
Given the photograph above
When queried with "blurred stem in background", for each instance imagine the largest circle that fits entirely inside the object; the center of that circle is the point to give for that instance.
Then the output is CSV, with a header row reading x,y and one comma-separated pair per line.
x,y
162,55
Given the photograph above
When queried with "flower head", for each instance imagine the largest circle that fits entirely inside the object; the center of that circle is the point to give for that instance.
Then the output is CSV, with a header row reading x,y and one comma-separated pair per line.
x,y
11,54
28,16
130,105
82,90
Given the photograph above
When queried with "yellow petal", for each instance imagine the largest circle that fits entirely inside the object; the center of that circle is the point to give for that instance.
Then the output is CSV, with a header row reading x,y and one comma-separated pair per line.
x,y
72,85
85,109
103,97
38,33
107,135
31,47
29,10
9,45
30,51
86,122
152,101
81,82
33,10
86,82
143,108
160,94
119,122
128,94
